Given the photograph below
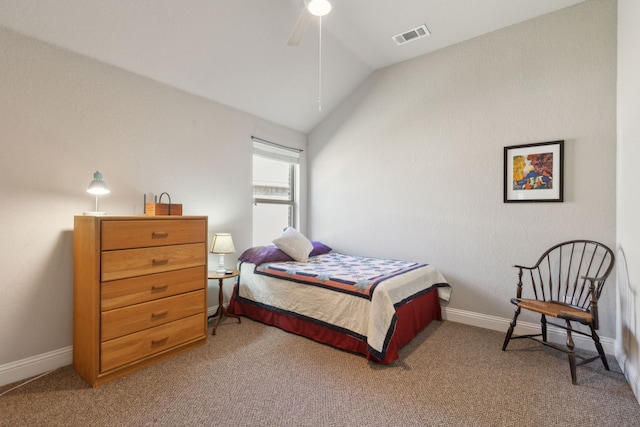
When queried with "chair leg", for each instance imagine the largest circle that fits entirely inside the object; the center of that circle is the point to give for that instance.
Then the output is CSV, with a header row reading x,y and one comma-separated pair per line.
x,y
512,326
571,354
596,340
543,327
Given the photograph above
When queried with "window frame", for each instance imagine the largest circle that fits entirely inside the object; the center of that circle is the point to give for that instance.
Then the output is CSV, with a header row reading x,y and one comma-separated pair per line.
x,y
286,156
292,195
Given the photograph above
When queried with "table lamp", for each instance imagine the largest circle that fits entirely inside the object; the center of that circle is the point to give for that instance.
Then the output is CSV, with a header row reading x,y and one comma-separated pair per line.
x,y
222,244
97,187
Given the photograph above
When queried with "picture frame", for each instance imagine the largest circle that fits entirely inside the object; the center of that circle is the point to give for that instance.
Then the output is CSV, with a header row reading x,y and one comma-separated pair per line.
x,y
534,172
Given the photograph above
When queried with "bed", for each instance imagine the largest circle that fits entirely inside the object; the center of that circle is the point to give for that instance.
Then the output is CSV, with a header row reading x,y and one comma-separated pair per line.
x,y
370,306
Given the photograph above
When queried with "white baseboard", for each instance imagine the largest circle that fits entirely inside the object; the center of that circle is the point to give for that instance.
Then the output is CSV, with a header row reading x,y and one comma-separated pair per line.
x,y
494,323
212,311
35,365
32,366
630,372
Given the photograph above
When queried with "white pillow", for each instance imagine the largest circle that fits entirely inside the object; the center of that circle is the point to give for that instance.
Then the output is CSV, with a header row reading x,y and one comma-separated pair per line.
x,y
295,244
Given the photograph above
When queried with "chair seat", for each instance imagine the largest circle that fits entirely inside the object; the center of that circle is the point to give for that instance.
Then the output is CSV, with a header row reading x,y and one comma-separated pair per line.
x,y
555,309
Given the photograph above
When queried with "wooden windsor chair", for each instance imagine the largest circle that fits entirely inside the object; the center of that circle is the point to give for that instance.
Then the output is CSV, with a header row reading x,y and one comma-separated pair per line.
x,y
565,284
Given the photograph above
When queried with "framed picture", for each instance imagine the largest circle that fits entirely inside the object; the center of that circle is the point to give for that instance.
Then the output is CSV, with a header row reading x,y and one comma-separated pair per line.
x,y
534,172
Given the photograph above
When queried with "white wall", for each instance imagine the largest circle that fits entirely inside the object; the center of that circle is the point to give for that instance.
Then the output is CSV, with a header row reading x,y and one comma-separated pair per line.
x,y
411,165
62,116
628,223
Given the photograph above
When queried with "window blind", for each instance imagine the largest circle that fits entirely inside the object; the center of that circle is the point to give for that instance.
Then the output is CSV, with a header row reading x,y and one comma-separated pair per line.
x,y
271,150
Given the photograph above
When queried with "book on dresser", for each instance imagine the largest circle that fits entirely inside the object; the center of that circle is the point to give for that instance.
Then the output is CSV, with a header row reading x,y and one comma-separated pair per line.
x,y
139,292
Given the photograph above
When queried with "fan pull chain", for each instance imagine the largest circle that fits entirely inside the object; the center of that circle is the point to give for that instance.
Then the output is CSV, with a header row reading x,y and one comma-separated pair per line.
x,y
319,63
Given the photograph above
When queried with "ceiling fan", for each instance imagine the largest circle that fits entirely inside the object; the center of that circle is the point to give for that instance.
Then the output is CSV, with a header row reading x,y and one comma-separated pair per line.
x,y
311,8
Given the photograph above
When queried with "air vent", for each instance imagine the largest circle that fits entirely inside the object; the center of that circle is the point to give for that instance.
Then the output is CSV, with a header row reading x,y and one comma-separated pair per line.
x,y
411,35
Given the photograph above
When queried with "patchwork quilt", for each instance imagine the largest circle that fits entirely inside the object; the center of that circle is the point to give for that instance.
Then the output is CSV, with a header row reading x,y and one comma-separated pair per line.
x,y
358,276
356,295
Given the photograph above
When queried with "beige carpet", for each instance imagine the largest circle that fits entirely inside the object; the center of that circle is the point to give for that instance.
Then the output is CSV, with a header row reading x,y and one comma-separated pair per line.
x,y
250,374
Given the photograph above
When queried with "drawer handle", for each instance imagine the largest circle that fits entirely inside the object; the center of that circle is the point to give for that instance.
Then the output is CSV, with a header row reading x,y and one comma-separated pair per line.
x,y
160,313
160,261
159,287
159,234
159,341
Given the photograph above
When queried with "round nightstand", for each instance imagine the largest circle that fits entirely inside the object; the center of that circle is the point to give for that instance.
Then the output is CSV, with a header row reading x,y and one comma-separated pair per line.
x,y
212,275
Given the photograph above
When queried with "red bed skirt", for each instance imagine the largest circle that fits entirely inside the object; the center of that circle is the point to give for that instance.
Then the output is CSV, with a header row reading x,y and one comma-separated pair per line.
x,y
413,317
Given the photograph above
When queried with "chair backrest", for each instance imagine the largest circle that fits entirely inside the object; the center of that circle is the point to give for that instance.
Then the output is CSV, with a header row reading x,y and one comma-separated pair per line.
x,y
565,272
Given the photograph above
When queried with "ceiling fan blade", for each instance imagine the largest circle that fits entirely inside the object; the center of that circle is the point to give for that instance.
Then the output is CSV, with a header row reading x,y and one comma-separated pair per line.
x,y
300,28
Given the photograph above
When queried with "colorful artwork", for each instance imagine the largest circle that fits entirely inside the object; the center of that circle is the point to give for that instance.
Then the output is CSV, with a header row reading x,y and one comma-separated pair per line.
x,y
533,172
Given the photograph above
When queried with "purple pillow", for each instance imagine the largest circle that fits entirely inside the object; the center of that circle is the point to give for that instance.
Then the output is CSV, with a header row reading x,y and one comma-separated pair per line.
x,y
271,253
319,248
260,254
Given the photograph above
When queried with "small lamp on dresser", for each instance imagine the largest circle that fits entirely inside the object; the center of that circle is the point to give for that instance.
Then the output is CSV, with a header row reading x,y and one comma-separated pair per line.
x,y
222,244
97,187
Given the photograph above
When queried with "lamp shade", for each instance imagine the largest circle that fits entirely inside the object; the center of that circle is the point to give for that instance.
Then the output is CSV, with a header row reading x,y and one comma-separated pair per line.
x,y
319,7
98,186
222,244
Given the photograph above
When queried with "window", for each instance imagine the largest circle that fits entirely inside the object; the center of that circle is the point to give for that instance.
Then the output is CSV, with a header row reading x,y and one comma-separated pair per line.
x,y
275,174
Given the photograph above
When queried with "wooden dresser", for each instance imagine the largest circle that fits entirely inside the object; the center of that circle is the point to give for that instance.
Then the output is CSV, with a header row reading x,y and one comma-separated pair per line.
x,y
139,292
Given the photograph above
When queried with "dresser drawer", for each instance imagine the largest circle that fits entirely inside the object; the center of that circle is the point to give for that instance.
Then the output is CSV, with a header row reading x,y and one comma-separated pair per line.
x,y
123,292
134,347
149,233
127,320
137,262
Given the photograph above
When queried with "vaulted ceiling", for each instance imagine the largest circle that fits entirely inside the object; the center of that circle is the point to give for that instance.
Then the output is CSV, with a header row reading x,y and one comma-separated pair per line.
x,y
235,51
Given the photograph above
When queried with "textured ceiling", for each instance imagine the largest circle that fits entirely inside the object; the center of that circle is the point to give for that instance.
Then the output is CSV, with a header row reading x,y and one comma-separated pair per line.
x,y
235,51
